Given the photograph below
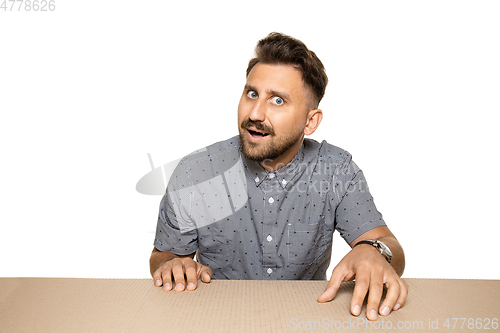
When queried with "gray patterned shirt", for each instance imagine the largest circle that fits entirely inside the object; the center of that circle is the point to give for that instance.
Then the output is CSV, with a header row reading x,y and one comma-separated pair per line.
x,y
248,223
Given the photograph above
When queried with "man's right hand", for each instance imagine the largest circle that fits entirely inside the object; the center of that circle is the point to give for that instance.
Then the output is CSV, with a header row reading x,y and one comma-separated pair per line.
x,y
183,270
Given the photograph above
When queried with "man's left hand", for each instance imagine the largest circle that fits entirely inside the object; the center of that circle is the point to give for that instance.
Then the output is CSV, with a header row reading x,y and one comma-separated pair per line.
x,y
372,272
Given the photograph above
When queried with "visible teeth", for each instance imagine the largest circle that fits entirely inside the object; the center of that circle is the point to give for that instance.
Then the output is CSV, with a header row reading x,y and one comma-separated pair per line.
x,y
258,133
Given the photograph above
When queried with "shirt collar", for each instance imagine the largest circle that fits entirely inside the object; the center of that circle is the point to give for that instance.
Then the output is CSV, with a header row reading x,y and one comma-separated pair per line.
x,y
286,175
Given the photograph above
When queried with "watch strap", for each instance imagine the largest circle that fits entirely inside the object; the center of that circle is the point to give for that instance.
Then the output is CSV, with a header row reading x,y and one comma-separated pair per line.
x,y
377,244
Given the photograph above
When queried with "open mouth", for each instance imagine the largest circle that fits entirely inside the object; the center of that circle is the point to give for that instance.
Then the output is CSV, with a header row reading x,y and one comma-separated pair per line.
x,y
257,133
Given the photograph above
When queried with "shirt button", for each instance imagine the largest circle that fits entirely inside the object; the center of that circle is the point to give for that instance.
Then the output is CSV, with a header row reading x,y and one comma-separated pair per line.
x,y
269,238
269,271
283,182
257,179
271,200
271,175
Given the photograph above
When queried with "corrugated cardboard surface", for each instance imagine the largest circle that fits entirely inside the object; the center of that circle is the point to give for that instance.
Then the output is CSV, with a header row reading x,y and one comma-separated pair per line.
x,y
100,305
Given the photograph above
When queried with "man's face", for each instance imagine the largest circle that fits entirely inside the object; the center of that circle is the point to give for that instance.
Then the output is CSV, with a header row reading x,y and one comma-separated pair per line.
x,y
272,113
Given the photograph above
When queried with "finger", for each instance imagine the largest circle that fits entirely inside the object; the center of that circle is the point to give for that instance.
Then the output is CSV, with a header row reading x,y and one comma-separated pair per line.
x,y
393,291
178,273
361,286
333,287
374,296
166,276
402,296
191,276
204,273
157,280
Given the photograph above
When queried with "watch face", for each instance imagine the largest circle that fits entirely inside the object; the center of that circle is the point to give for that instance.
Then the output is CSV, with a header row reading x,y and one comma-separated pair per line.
x,y
384,248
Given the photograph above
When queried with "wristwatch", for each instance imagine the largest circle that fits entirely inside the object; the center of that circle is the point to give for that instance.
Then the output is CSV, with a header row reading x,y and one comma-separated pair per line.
x,y
384,249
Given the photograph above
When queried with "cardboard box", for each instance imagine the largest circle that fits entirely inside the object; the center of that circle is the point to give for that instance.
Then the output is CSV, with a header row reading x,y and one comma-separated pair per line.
x,y
101,305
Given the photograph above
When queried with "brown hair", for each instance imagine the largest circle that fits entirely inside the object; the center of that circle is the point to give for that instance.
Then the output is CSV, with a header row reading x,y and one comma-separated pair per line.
x,y
278,48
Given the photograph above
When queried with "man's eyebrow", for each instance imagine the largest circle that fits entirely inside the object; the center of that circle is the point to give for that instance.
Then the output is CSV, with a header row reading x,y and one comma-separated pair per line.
x,y
249,87
283,95
270,92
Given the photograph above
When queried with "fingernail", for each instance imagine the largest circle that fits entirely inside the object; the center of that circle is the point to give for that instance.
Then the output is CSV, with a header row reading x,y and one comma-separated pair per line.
x,y
167,286
178,287
373,314
191,285
396,307
385,311
357,310
158,282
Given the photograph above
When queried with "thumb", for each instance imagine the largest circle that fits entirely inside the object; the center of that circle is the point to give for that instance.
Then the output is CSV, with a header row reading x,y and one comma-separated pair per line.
x,y
204,273
331,289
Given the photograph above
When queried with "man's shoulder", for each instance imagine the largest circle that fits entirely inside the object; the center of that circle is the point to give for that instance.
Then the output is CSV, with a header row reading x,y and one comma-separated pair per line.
x,y
206,163
327,153
214,151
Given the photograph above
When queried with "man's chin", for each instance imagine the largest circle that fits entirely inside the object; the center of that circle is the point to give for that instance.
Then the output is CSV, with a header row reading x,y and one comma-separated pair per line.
x,y
259,151
249,151
252,150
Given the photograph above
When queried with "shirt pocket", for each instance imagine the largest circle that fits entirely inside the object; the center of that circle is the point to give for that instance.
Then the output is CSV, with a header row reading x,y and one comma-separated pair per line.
x,y
306,243
216,246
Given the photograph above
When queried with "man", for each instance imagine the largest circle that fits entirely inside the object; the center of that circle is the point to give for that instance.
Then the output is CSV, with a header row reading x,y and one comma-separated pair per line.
x,y
264,204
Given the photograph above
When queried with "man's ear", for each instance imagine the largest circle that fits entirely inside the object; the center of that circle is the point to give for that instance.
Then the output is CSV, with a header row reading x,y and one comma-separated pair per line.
x,y
314,118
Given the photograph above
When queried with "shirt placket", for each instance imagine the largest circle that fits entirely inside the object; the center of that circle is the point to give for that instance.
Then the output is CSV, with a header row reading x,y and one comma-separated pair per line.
x,y
272,200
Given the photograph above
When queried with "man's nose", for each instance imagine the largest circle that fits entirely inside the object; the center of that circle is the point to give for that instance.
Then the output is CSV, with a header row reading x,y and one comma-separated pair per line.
x,y
258,111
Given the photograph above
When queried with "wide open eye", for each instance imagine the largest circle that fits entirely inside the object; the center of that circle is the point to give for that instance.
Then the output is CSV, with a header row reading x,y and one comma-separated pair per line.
x,y
278,100
252,94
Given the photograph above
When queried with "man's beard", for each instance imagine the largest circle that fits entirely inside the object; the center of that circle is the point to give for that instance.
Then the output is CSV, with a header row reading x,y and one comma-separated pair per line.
x,y
268,151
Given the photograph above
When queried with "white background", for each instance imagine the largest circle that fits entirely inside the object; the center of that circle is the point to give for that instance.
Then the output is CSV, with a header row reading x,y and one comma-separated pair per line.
x,y
86,91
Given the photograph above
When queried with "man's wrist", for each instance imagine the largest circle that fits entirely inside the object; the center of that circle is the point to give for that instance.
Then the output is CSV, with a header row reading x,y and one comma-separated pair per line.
x,y
382,248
